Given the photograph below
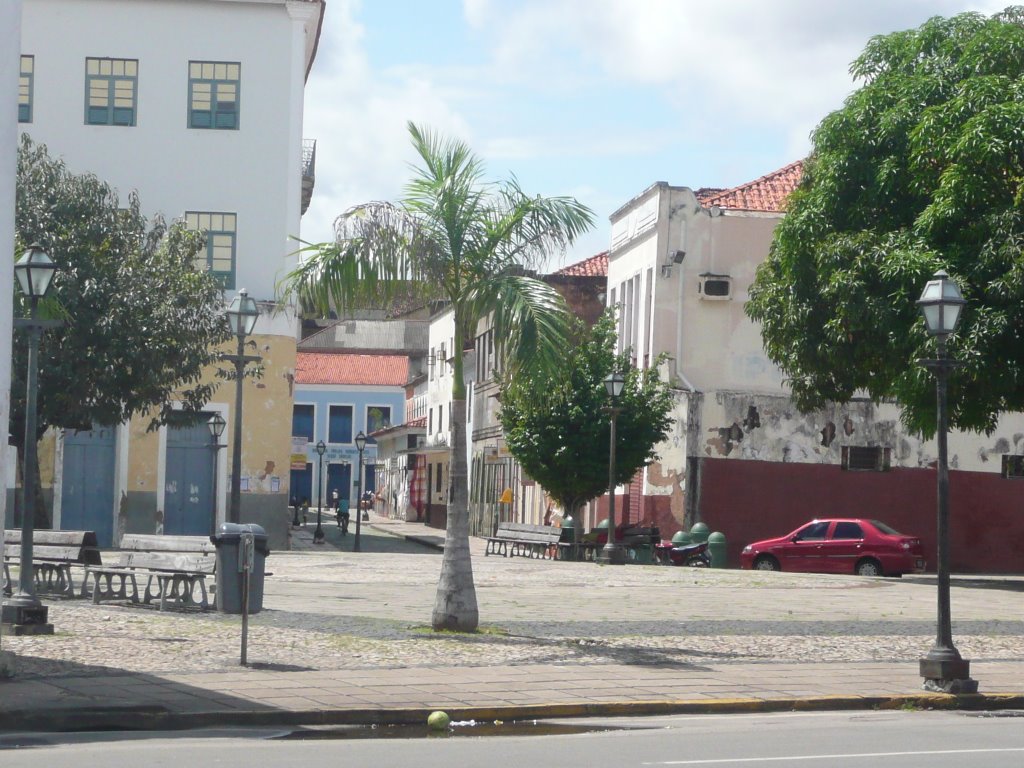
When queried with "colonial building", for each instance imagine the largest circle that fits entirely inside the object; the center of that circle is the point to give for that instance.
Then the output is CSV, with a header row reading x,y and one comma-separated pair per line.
x,y
500,491
742,458
197,105
337,397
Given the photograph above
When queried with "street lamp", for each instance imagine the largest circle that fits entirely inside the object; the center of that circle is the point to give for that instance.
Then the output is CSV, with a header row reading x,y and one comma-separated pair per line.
x,y
241,315
611,553
360,445
318,534
24,612
216,426
942,668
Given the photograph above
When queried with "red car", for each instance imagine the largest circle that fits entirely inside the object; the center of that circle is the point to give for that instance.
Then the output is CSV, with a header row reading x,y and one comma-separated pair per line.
x,y
847,545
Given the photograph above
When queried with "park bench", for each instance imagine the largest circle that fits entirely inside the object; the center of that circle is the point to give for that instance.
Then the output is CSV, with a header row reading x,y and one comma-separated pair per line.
x,y
53,554
175,568
523,539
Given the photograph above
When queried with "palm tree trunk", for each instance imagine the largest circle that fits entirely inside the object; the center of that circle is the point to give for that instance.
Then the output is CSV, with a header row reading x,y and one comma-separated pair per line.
x,y
455,606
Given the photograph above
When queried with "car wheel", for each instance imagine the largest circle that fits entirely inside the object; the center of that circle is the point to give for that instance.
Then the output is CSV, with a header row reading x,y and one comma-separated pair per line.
x,y
766,563
868,568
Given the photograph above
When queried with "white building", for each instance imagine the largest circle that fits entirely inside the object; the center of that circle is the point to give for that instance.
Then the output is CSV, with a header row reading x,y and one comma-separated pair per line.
x,y
198,106
742,458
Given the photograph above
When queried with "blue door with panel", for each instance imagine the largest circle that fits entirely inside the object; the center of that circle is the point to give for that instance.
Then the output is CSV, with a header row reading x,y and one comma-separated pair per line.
x,y
188,484
339,476
87,485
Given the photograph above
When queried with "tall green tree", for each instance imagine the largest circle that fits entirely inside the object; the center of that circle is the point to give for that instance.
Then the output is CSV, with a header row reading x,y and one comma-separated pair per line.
x,y
553,422
140,322
921,169
466,242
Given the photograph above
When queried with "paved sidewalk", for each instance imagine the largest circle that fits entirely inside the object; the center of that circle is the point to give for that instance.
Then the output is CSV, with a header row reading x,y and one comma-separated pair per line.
x,y
343,638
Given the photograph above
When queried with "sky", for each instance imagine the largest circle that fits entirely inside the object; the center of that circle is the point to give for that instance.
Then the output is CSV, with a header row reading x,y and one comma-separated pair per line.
x,y
594,99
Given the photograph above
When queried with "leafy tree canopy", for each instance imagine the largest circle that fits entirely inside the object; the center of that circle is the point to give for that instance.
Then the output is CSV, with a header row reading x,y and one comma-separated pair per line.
x,y
556,429
140,321
922,168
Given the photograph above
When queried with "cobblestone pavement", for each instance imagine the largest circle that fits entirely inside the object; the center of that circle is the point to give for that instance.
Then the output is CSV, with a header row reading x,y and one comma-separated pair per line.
x,y
329,608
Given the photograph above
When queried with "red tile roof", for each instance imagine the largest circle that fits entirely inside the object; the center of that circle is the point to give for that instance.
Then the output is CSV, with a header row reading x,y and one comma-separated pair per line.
x,y
330,368
595,266
767,193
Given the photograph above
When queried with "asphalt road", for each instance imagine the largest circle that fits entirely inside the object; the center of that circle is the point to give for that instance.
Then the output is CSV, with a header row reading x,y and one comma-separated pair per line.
x,y
837,740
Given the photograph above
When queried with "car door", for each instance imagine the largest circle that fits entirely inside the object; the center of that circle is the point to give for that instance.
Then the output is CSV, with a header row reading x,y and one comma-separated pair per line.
x,y
843,547
803,550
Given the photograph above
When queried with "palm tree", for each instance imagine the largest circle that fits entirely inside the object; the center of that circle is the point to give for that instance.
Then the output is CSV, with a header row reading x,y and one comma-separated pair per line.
x,y
469,243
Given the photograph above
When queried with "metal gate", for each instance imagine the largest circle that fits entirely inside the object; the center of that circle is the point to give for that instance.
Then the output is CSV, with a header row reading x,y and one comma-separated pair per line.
x,y
491,476
87,485
189,508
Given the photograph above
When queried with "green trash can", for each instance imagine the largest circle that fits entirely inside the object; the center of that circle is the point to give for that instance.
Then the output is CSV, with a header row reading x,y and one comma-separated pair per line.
x,y
228,540
681,539
699,533
567,539
716,548
643,554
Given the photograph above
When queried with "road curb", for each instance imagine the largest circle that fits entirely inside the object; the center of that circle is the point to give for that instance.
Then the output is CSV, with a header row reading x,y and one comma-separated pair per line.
x,y
154,718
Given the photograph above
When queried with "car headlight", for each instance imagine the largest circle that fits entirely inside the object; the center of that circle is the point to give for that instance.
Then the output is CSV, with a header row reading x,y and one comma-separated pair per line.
x,y
747,549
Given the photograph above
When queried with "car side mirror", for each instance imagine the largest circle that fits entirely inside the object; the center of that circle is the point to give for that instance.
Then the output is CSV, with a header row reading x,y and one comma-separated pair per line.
x,y
795,538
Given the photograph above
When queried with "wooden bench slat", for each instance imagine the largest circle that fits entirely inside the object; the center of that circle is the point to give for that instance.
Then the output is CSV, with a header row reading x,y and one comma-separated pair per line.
x,y
158,543
524,539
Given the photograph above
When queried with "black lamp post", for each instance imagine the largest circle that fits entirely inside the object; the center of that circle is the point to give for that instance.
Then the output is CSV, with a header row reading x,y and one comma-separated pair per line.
x,y
612,553
360,445
318,534
216,425
25,614
942,668
241,314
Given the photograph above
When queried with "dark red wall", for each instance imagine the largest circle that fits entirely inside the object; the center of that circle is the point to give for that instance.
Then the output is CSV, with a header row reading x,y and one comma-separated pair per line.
x,y
752,500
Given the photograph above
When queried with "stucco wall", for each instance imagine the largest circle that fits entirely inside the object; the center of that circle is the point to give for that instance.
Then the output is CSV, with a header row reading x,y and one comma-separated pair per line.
x,y
752,500
248,171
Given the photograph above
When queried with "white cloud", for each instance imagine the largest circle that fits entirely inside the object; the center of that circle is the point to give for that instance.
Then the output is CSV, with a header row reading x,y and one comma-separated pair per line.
x,y
358,118
738,81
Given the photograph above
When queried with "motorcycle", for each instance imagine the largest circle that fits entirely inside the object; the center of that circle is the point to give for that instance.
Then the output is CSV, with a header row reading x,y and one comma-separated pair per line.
x,y
693,555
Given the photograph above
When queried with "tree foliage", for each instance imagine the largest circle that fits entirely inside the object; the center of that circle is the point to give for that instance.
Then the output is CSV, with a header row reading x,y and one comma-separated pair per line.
x,y
921,169
557,429
141,323
467,242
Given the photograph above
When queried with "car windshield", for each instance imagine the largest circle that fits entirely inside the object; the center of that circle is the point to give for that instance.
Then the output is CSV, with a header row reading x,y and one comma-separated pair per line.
x,y
885,528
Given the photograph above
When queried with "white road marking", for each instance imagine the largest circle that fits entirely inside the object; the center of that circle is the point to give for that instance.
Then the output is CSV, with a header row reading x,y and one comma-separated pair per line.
x,y
790,758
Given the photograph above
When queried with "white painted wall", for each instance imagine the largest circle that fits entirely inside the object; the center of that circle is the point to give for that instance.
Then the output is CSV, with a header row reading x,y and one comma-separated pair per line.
x,y
10,32
253,171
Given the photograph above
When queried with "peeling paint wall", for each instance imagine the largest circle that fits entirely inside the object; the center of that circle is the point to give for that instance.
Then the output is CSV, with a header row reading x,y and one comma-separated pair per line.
x,y
741,425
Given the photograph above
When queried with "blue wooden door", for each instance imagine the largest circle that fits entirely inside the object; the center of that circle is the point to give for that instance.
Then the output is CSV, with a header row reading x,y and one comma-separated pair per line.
x,y
301,487
339,476
188,484
87,487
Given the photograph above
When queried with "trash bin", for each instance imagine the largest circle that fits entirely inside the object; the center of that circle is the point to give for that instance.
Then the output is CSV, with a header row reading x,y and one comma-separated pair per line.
x,y
681,539
699,533
228,541
568,536
641,553
717,548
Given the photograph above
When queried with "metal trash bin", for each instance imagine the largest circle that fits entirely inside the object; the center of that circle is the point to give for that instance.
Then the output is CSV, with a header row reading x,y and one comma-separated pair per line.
x,y
230,570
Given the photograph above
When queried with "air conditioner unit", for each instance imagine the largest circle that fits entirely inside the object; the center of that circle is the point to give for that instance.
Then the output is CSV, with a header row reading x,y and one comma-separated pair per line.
x,y
715,287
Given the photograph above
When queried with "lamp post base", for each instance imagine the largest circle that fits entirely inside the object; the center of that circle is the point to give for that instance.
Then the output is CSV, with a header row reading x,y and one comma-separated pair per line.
x,y
947,675
611,555
26,620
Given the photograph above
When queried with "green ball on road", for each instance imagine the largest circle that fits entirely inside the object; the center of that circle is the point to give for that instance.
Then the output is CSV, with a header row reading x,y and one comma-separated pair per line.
x,y
438,721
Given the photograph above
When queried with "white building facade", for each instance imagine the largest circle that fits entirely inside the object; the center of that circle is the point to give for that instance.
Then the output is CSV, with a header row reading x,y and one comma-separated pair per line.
x,y
741,457
198,106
